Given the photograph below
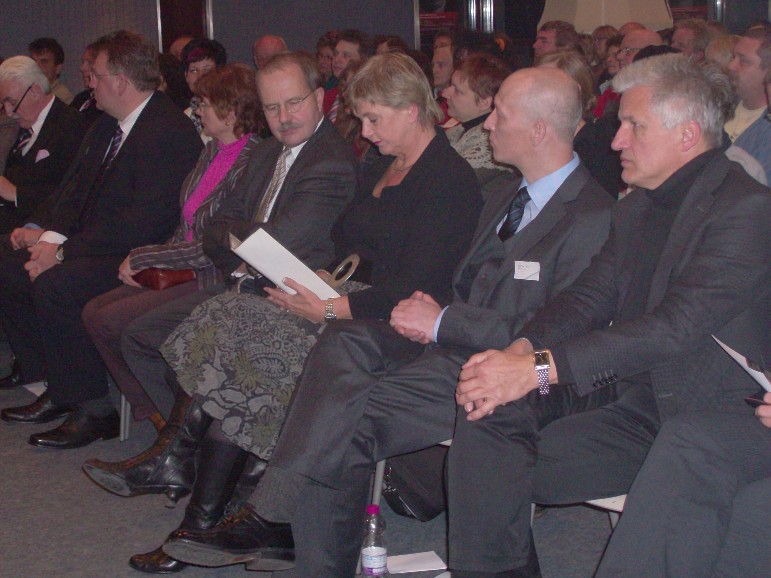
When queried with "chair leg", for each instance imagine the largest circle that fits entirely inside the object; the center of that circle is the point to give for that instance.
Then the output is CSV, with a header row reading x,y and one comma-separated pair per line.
x,y
125,418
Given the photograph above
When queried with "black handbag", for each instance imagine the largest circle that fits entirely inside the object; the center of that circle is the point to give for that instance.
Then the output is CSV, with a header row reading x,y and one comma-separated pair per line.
x,y
414,484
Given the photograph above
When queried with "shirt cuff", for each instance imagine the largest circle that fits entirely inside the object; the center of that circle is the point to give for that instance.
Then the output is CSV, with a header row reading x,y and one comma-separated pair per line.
x,y
52,237
436,325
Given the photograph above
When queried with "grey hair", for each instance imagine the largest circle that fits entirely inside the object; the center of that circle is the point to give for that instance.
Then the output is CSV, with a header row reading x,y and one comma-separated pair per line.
x,y
24,70
683,90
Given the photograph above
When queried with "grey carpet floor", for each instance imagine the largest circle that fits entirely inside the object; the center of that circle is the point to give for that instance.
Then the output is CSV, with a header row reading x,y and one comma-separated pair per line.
x,y
55,522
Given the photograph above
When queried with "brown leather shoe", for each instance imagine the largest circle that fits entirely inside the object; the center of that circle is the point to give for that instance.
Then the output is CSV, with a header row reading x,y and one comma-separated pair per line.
x,y
42,410
156,562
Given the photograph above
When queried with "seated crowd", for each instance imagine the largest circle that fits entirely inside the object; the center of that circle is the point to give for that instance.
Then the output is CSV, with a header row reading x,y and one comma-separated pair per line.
x,y
544,253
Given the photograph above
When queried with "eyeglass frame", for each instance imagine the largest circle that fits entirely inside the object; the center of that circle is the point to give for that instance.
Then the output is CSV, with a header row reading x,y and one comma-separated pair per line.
x,y
18,102
627,50
93,77
292,106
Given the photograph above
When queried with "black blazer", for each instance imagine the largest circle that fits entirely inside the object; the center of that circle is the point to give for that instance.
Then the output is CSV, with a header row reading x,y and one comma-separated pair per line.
x,y
317,187
713,277
56,146
136,201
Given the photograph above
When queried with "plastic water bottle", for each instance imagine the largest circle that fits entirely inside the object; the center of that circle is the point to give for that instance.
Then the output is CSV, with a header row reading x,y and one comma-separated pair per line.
x,y
373,550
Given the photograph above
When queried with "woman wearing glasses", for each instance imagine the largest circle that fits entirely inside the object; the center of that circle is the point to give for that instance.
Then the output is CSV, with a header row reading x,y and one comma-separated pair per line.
x,y
239,355
229,113
200,56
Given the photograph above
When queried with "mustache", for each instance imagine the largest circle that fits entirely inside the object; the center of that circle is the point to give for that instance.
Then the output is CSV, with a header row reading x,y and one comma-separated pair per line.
x,y
288,126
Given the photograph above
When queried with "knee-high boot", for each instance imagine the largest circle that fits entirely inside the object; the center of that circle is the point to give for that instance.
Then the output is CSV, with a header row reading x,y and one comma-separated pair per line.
x,y
167,467
225,474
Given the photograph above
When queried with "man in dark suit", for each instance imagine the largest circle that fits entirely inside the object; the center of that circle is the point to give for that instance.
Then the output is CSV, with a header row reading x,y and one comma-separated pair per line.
x,y
319,181
121,192
535,236
569,411
49,135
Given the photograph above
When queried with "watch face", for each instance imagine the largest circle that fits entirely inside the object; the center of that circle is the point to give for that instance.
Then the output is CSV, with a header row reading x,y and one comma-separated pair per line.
x,y
541,358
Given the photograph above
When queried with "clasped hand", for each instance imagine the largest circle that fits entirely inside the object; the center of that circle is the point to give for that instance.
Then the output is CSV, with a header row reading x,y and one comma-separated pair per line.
x,y
304,303
42,256
492,378
415,317
126,273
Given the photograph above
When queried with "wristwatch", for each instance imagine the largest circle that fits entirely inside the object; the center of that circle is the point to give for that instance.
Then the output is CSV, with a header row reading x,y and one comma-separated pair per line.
x,y
329,310
60,254
542,363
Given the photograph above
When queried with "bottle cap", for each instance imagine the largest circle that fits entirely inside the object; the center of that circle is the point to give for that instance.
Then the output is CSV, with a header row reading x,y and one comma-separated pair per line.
x,y
373,509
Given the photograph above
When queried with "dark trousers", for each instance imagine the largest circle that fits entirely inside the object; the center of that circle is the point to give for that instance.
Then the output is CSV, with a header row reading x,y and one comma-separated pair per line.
x,y
42,320
555,449
142,338
366,394
701,504
105,318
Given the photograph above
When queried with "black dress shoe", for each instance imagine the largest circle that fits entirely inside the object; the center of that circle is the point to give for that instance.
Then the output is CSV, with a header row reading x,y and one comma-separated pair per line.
x,y
78,430
15,379
156,562
42,410
244,537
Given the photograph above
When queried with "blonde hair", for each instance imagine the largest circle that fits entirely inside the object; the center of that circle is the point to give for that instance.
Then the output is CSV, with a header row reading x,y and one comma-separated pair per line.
x,y
394,80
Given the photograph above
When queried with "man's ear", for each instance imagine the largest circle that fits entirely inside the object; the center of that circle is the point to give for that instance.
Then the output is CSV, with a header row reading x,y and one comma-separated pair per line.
x,y
690,135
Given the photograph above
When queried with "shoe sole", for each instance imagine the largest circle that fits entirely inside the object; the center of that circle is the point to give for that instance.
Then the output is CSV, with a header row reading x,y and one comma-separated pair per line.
x,y
266,559
120,487
47,419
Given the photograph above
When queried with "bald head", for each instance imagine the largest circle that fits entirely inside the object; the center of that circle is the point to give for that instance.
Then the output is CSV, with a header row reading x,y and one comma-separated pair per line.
x,y
266,47
628,27
635,41
535,117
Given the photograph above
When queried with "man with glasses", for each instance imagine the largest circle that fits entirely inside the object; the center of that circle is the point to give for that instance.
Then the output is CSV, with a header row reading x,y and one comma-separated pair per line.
x,y
121,192
635,41
48,138
304,180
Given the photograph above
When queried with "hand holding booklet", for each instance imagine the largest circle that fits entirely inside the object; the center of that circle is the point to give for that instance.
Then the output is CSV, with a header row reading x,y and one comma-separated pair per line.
x,y
758,373
274,261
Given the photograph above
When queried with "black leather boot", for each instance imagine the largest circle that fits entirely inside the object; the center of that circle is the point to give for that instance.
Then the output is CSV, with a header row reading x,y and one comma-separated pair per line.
x,y
221,470
167,467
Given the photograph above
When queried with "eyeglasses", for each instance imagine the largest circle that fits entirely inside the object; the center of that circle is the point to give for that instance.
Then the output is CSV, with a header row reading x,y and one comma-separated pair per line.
x,y
95,77
627,50
9,102
198,70
292,106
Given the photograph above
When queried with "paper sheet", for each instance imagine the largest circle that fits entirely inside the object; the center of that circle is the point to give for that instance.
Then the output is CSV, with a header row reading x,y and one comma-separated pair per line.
x,y
271,258
757,373
420,562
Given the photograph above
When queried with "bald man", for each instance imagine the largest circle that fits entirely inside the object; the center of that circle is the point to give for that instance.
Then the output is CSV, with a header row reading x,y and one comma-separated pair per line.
x,y
635,41
266,47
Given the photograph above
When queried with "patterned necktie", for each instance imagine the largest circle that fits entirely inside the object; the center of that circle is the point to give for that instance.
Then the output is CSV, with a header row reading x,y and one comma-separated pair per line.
x,y
117,138
25,134
274,187
334,110
514,216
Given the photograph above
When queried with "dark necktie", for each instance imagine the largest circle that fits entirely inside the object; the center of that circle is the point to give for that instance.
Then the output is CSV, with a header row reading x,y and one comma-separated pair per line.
x,y
514,216
117,138
21,140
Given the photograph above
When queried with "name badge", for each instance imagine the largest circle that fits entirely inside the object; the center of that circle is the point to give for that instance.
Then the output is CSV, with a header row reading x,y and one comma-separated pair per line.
x,y
527,270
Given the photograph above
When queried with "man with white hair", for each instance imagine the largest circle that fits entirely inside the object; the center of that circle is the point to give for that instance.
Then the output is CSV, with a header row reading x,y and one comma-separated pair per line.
x,y
48,138
569,410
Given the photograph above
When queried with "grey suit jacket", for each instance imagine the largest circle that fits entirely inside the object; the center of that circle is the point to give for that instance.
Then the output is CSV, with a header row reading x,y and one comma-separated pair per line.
x,y
488,311
712,278
316,189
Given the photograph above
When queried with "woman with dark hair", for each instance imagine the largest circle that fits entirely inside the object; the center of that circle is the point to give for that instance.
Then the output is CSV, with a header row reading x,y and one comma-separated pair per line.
x,y
200,56
173,80
228,112
239,354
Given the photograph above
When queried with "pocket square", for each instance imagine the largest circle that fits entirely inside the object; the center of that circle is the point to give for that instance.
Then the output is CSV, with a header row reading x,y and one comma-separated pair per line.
x,y
41,154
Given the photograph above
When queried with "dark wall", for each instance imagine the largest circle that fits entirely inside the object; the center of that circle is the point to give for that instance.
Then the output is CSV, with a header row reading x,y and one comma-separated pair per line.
x,y
301,22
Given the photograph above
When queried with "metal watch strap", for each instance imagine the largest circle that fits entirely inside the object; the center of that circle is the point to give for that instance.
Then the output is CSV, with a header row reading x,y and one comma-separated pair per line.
x,y
329,310
60,254
542,364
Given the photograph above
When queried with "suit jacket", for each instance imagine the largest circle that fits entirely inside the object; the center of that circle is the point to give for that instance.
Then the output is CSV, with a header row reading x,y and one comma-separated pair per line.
x,y
712,278
316,189
490,304
135,202
56,145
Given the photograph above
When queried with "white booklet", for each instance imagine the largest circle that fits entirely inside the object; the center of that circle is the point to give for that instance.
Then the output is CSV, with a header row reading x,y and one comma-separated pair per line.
x,y
758,373
274,261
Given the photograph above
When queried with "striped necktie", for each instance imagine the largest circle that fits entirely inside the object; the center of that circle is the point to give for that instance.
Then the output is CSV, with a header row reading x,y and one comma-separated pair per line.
x,y
24,136
514,215
268,200
117,138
